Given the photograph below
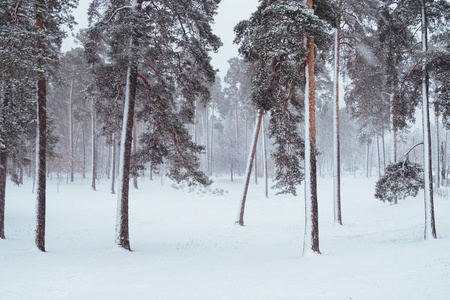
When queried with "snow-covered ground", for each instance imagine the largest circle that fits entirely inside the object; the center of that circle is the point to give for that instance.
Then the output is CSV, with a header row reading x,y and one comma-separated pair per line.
x,y
186,246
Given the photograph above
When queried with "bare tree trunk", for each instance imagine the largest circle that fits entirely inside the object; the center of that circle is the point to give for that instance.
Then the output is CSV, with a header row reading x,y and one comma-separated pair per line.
x,y
436,110
311,238
94,146
430,228
248,172
41,143
135,177
71,131
336,140
84,152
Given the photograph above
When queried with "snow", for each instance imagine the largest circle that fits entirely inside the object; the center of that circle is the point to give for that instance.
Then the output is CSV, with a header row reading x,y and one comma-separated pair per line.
x,y
186,246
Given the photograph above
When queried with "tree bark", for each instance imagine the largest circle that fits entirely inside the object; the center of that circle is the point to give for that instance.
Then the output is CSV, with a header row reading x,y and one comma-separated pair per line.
x,y
248,171
336,141
122,224
41,143
3,161
135,177
3,175
430,228
266,176
311,238
113,163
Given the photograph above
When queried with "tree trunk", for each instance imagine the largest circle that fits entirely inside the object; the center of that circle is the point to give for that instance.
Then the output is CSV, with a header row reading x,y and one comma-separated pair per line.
x,y
212,144
393,129
256,165
248,171
135,176
195,123
94,142
3,175
122,225
336,142
436,110
266,177
367,158
311,238
71,131
113,163
237,123
246,135
84,152
378,153
430,228
443,157
384,148
3,160
41,143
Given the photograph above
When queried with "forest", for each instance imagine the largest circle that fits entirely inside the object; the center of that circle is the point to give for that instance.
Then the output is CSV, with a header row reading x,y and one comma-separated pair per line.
x,y
341,92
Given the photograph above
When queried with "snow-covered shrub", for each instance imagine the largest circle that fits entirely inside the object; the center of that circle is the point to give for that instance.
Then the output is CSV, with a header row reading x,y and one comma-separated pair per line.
x,y
401,180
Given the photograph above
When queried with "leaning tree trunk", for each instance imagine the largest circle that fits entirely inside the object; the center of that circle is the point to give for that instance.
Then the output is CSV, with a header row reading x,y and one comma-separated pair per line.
x,y
41,142
430,228
248,171
336,146
311,238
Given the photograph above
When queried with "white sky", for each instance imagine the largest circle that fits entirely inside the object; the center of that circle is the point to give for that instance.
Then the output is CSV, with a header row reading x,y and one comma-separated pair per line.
x,y
229,14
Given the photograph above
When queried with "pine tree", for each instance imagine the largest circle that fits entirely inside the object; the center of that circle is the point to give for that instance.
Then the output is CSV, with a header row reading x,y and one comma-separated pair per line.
x,y
166,45
32,35
272,40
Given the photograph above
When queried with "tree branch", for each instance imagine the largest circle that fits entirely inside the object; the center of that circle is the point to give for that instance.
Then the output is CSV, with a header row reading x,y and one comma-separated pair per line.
x,y
116,11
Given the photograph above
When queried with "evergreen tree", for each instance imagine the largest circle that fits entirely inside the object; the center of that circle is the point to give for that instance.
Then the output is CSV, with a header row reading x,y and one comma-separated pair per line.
x,y
31,36
166,46
401,180
273,41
